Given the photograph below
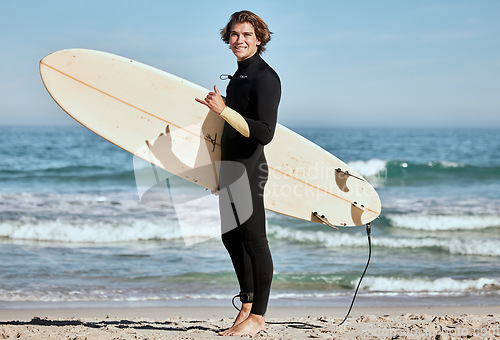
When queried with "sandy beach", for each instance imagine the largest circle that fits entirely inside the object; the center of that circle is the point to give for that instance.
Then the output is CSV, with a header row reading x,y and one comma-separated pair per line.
x,y
468,322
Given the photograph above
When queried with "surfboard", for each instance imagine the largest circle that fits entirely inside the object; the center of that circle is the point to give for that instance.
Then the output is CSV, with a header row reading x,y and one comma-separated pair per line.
x,y
153,114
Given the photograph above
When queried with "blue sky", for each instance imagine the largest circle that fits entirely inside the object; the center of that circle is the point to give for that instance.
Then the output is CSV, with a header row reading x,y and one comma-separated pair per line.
x,y
341,63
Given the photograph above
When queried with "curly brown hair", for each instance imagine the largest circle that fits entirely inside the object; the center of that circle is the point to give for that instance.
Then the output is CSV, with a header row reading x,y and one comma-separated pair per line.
x,y
262,32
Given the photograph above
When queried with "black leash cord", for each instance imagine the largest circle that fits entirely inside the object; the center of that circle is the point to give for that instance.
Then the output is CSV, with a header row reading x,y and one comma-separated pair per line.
x,y
304,325
368,233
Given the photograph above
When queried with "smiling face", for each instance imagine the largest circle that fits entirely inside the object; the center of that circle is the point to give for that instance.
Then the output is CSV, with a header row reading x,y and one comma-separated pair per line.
x,y
243,41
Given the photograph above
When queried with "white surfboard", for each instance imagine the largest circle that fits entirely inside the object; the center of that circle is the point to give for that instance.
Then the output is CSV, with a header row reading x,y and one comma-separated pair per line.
x,y
153,115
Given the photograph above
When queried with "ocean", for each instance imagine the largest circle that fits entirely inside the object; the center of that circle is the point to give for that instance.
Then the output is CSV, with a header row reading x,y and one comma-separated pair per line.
x,y
74,232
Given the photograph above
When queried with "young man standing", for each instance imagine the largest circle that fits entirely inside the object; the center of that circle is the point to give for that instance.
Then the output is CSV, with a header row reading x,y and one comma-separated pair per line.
x,y
250,112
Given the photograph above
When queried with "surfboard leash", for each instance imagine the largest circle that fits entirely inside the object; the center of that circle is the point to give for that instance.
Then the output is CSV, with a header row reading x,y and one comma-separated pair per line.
x,y
305,325
368,233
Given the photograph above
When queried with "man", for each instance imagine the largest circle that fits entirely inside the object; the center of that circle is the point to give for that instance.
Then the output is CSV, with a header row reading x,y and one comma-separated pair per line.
x,y
250,112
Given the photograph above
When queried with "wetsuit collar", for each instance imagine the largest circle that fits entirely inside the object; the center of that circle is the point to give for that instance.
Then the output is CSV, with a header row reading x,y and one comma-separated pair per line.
x,y
246,62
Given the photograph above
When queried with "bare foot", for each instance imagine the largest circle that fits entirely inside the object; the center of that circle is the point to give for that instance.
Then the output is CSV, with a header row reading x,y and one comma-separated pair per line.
x,y
251,326
242,316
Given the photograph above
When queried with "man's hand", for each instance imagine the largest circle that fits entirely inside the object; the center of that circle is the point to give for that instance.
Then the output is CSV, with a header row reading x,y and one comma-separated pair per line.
x,y
213,101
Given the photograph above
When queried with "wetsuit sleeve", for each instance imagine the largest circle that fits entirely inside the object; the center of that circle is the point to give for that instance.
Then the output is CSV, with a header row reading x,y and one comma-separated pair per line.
x,y
267,97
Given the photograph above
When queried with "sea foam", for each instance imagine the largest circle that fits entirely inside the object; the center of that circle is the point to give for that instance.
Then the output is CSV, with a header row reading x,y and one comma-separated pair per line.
x,y
458,245
428,285
96,232
443,222
89,231
372,167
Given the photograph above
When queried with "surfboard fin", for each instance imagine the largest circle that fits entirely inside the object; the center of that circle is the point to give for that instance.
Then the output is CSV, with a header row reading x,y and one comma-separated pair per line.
x,y
323,219
356,213
341,179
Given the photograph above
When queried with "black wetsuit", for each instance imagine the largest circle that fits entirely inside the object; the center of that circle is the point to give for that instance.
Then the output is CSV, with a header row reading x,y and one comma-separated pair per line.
x,y
254,92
